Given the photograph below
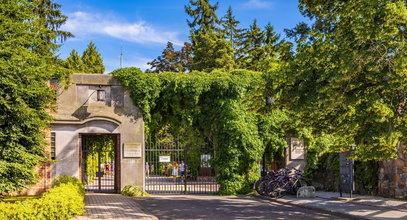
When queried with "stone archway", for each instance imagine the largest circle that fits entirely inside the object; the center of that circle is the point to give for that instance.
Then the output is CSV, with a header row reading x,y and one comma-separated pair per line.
x,y
97,104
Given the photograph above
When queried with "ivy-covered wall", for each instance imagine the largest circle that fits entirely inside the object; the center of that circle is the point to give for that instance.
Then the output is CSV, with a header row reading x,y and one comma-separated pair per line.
x,y
227,109
326,174
228,112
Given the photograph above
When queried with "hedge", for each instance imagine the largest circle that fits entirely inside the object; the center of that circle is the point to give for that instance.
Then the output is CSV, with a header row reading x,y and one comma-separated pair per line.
x,y
64,200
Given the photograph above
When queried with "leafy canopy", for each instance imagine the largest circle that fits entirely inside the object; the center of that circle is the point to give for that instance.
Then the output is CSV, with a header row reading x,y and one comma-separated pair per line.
x,y
348,77
28,30
227,109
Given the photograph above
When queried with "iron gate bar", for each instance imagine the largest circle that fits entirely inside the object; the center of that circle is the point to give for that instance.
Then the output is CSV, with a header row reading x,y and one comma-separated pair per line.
x,y
159,181
109,181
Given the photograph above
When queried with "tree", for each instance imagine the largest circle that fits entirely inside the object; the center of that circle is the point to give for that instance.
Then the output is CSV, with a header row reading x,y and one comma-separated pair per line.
x,y
230,30
49,16
209,48
211,51
269,57
348,76
186,57
173,61
203,15
26,64
251,48
74,62
92,60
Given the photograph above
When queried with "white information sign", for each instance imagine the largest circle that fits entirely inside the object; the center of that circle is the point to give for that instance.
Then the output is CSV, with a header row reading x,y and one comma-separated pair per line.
x,y
132,150
165,159
297,149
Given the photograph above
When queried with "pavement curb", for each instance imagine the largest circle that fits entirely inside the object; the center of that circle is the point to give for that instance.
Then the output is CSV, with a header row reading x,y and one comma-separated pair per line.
x,y
327,211
355,201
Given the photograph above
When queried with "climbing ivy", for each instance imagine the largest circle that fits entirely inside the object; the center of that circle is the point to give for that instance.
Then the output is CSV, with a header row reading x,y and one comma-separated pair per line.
x,y
227,109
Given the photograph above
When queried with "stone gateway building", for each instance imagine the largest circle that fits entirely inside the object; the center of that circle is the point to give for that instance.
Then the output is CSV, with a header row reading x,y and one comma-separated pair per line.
x,y
97,107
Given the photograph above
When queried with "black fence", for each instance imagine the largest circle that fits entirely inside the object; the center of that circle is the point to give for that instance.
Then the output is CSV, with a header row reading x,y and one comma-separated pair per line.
x,y
167,174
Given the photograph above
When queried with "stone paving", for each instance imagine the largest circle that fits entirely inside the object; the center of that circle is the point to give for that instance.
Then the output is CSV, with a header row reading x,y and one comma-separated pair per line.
x,y
113,206
359,207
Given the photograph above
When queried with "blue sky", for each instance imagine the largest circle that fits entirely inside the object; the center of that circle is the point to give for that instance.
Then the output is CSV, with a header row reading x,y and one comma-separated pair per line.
x,y
142,28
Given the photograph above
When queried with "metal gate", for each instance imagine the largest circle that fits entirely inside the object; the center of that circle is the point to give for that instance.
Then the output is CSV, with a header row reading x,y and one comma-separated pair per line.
x,y
99,163
164,170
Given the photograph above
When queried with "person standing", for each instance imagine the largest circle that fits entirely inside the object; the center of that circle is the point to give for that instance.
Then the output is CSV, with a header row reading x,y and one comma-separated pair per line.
x,y
174,171
183,169
152,169
107,168
147,169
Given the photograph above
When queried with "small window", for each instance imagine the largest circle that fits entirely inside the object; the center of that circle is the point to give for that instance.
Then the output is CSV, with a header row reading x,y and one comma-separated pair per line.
x,y
101,95
52,145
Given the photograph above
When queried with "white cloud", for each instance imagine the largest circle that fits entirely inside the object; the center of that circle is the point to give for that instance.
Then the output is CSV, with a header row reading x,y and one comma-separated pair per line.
x,y
257,4
82,24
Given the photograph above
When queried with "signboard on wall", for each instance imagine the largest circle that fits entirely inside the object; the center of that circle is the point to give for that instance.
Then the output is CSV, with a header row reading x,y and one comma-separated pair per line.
x,y
205,159
297,149
132,150
165,159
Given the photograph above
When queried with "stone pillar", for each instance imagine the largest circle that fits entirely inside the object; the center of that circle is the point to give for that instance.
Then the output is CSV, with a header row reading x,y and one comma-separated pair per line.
x,y
393,175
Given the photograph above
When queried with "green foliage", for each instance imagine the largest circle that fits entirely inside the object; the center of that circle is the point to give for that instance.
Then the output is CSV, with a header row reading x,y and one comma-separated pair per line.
x,y
63,201
92,60
57,182
92,145
325,173
251,47
203,15
27,32
226,109
74,62
211,51
230,30
50,17
366,176
13,199
133,190
348,75
173,61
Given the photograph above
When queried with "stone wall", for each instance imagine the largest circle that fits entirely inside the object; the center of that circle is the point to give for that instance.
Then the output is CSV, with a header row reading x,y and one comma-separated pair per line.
x,y
80,111
393,175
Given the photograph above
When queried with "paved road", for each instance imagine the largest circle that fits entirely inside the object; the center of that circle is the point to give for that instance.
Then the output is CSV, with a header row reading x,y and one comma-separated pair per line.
x,y
224,207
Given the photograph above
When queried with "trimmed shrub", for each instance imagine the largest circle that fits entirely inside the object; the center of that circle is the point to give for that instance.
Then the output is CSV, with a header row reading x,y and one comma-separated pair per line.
x,y
133,190
64,200
69,179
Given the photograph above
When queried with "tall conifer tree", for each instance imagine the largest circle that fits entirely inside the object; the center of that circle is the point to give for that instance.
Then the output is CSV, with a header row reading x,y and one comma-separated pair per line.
x,y
209,47
74,62
92,60
251,47
203,15
231,32
211,51
269,56
49,16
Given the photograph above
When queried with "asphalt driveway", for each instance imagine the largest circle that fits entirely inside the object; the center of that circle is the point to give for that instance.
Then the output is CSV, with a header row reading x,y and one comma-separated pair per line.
x,y
223,207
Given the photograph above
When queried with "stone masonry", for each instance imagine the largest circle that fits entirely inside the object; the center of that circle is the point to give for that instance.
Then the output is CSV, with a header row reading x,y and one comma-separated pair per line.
x,y
393,175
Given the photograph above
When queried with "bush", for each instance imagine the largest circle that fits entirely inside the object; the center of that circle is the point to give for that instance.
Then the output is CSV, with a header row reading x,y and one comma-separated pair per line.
x,y
69,179
64,200
133,190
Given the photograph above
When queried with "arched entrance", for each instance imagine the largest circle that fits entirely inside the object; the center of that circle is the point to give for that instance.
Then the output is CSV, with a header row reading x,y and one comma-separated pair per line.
x,y
92,108
100,162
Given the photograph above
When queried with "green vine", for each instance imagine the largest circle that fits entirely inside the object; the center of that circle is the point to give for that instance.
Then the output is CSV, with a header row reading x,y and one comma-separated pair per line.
x,y
227,109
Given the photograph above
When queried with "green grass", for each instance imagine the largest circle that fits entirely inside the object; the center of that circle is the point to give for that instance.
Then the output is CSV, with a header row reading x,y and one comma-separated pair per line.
x,y
13,199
